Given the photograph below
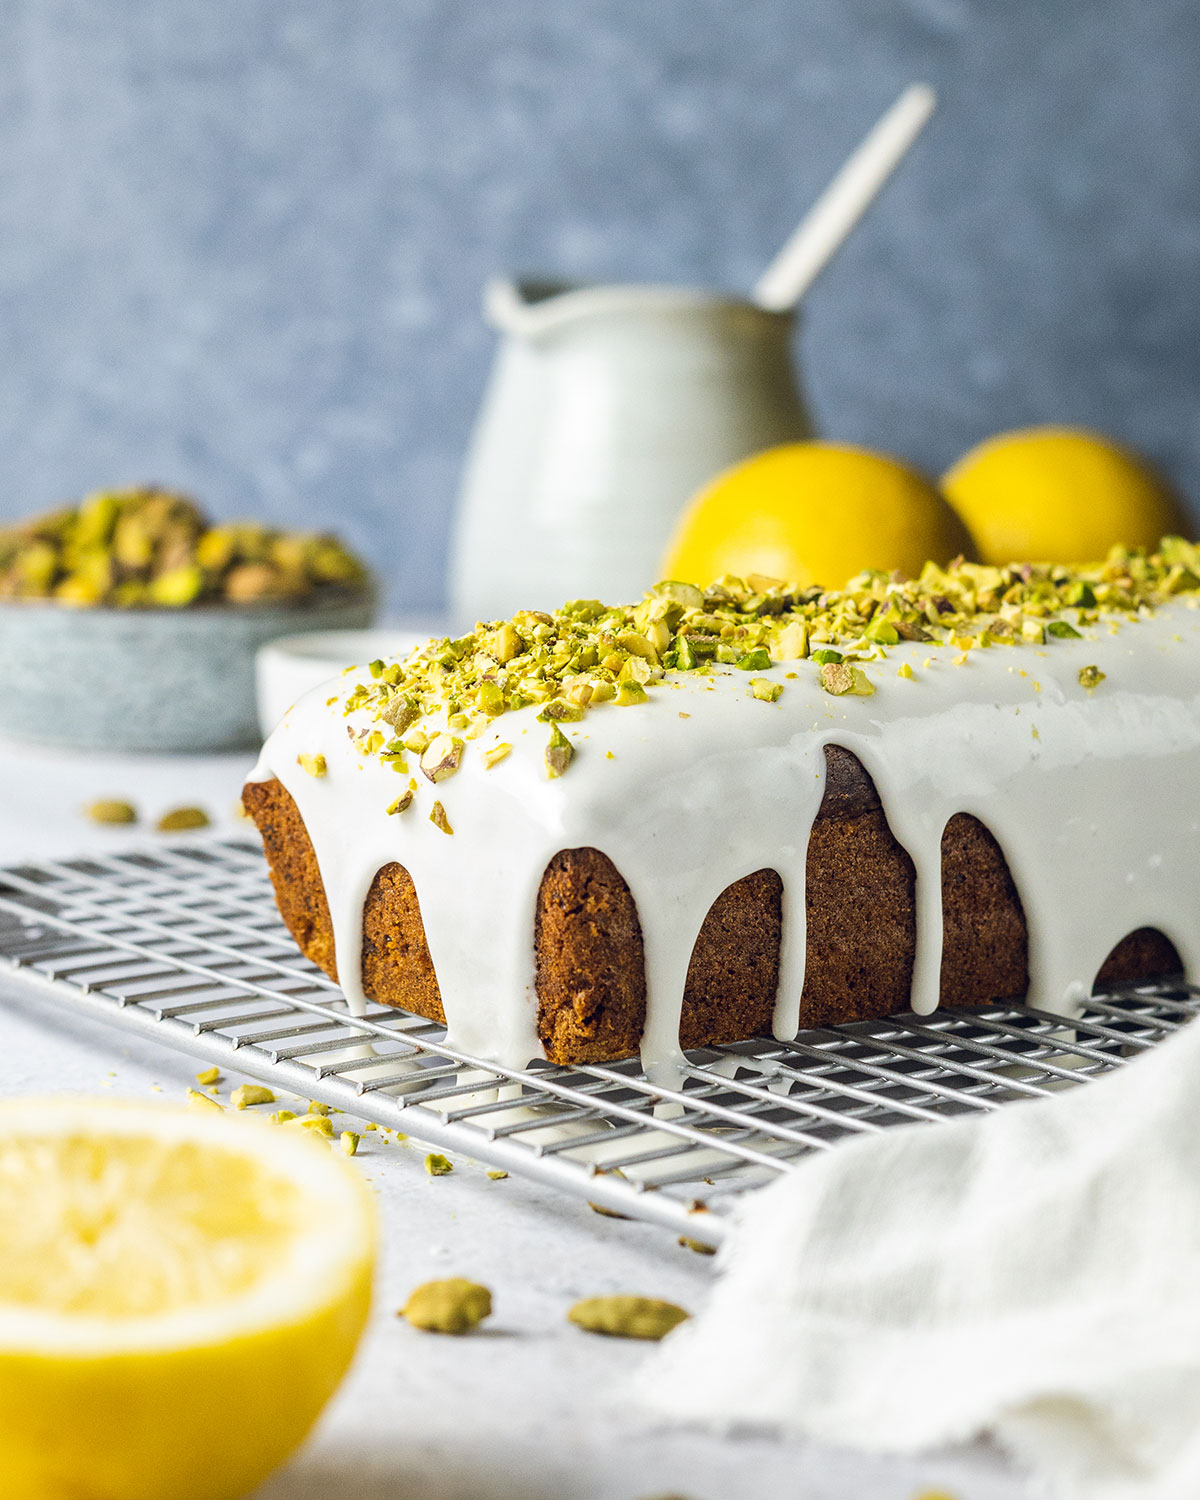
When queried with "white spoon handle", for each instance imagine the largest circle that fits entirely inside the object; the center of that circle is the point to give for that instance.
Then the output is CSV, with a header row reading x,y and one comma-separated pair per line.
x,y
825,227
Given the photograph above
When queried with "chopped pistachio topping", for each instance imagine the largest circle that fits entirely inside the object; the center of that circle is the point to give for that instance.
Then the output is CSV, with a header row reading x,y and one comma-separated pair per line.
x,y
438,1165
402,803
587,654
559,752
197,1100
208,1077
437,816
1091,677
321,1124
348,1140
764,688
840,677
441,757
314,765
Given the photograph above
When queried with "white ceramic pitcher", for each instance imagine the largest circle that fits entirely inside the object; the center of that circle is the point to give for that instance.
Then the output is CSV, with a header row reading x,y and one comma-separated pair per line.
x,y
609,406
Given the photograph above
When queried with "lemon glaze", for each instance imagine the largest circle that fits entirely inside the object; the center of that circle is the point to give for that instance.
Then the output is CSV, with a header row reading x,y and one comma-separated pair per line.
x,y
1092,794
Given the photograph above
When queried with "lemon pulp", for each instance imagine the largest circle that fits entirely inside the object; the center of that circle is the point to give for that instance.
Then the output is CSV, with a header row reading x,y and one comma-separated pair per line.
x,y
180,1294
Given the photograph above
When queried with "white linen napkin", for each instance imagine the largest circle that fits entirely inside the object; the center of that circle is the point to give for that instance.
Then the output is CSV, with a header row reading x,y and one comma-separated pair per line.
x,y
1032,1274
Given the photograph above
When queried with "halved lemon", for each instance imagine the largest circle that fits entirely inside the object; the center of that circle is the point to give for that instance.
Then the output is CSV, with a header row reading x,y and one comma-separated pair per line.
x,y
180,1294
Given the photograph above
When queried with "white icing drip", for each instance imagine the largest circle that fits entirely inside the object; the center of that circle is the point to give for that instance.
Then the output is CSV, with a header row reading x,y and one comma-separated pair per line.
x,y
1094,799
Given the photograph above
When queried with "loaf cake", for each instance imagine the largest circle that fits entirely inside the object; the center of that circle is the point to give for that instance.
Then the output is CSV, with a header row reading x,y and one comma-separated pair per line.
x,y
754,809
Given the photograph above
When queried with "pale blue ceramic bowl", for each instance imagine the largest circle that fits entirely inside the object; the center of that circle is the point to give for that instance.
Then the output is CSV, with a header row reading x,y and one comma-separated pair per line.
x,y
148,679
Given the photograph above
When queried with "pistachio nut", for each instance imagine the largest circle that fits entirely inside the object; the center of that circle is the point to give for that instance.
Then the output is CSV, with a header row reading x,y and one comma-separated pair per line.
x,y
111,810
627,1317
454,1305
181,818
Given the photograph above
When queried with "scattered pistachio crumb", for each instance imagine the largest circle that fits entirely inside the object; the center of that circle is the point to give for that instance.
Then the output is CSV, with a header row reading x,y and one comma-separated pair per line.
x,y
608,1213
454,1305
402,803
197,1100
180,818
766,690
320,1124
348,1140
251,1093
1091,677
698,1246
905,670
496,754
282,1116
209,1076
315,1107
437,1165
370,1125
627,1317
111,810
497,1176
314,765
437,816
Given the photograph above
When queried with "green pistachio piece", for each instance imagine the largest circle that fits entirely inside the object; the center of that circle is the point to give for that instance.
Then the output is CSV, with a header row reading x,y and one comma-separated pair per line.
x,y
562,711
791,644
1091,677
437,1165
437,816
451,1306
757,660
627,1317
764,688
1062,630
312,765
248,1094
402,803
496,754
442,757
559,752
826,656
629,693
400,712
840,678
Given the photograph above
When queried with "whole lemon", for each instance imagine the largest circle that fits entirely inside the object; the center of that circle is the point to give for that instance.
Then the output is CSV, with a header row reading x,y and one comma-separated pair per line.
x,y
1059,495
814,513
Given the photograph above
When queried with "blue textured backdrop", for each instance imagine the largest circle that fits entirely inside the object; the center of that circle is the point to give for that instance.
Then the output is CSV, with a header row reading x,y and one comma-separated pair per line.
x,y
241,241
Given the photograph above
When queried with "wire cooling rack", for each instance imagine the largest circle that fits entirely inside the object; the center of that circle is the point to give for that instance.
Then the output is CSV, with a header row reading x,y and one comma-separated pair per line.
x,y
183,943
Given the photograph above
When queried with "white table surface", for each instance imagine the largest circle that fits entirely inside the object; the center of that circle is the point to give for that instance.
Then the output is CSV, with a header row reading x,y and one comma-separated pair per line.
x,y
527,1407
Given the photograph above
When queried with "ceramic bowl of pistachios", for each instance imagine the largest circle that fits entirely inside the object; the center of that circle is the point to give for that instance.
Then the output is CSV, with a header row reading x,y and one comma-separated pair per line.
x,y
130,622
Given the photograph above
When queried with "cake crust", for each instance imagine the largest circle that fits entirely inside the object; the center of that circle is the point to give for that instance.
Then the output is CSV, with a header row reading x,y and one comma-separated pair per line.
x,y
589,964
